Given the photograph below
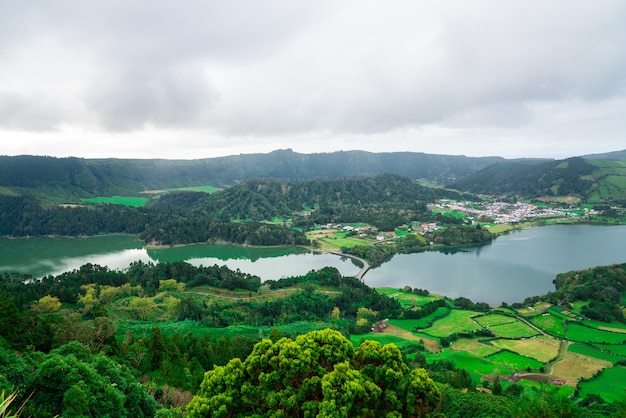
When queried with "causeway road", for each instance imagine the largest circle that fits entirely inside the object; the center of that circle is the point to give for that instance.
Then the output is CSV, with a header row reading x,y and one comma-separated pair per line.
x,y
363,270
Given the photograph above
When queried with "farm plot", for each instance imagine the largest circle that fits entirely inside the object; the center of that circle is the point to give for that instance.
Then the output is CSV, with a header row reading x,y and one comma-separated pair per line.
x,y
610,384
474,347
457,321
620,350
515,329
549,323
594,352
541,348
412,324
581,333
494,319
578,366
118,200
406,299
514,361
472,364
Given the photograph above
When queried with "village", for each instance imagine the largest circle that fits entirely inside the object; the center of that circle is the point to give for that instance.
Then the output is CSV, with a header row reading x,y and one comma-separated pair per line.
x,y
506,213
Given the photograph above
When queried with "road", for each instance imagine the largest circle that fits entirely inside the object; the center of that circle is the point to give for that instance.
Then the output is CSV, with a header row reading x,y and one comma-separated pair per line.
x,y
363,270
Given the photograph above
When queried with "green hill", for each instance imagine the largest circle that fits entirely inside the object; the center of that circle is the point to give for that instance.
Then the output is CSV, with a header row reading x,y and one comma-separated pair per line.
x,y
68,179
593,181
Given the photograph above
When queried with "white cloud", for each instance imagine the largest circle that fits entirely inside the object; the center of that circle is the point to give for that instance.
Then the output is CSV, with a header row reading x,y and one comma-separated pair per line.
x,y
201,78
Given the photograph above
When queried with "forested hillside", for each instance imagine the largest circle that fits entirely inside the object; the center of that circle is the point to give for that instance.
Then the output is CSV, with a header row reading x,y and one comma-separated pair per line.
x,y
592,181
66,178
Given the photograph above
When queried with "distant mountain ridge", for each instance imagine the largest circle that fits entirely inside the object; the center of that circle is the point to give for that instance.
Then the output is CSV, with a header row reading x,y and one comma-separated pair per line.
x,y
77,177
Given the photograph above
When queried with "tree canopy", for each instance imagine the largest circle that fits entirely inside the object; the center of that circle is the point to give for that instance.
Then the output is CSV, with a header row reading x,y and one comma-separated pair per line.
x,y
317,374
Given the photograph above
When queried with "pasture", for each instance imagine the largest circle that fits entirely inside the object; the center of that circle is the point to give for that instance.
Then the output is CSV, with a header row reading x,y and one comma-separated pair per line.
x,y
457,321
515,329
549,323
494,319
578,366
514,361
474,347
118,200
541,348
591,351
406,299
610,384
580,333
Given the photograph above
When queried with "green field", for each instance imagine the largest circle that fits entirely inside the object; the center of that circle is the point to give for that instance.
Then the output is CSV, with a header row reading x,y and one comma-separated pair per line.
x,y
516,329
494,319
474,347
205,189
580,333
457,321
549,323
610,384
411,324
541,348
118,200
406,299
594,352
477,367
620,350
514,361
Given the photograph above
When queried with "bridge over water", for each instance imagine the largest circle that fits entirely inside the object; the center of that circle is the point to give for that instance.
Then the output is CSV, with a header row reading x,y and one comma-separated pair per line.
x,y
363,270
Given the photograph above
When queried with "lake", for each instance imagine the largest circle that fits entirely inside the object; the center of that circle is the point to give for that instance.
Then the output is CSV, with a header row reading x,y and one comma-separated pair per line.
x,y
511,268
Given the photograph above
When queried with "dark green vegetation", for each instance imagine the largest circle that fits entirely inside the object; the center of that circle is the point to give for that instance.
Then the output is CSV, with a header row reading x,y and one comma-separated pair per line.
x,y
592,181
68,337
67,178
318,374
96,342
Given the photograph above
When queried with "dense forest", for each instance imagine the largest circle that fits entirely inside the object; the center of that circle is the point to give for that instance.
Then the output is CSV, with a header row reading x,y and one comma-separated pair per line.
x,y
385,201
67,178
63,350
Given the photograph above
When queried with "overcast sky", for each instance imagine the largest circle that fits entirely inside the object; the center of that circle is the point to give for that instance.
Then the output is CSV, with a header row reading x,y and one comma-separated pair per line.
x,y
198,79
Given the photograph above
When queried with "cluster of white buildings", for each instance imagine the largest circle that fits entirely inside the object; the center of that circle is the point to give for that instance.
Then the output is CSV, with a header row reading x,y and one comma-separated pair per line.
x,y
501,212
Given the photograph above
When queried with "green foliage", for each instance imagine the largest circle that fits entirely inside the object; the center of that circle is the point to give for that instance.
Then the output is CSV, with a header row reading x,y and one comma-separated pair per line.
x,y
317,374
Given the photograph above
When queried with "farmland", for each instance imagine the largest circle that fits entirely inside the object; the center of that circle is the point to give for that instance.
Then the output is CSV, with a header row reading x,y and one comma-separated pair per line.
x,y
593,348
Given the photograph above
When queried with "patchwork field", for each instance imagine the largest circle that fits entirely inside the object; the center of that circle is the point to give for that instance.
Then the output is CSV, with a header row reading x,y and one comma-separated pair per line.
x,y
549,323
610,384
581,333
457,321
541,348
514,361
515,329
474,347
578,366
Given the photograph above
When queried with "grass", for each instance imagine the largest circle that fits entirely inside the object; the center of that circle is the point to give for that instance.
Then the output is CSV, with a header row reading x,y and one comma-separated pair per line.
x,y
609,385
472,364
514,361
516,329
457,321
620,350
542,348
578,366
425,322
118,200
393,333
494,319
594,352
607,326
474,347
406,299
549,323
579,333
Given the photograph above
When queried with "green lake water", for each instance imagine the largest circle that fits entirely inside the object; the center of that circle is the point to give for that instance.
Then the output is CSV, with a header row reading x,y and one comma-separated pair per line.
x,y
511,268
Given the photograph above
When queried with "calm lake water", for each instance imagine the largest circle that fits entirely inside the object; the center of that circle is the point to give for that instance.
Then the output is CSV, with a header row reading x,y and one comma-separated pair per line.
x,y
513,267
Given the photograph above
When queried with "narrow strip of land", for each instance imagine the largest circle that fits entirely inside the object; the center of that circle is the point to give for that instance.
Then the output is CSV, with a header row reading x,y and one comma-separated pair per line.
x,y
363,270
